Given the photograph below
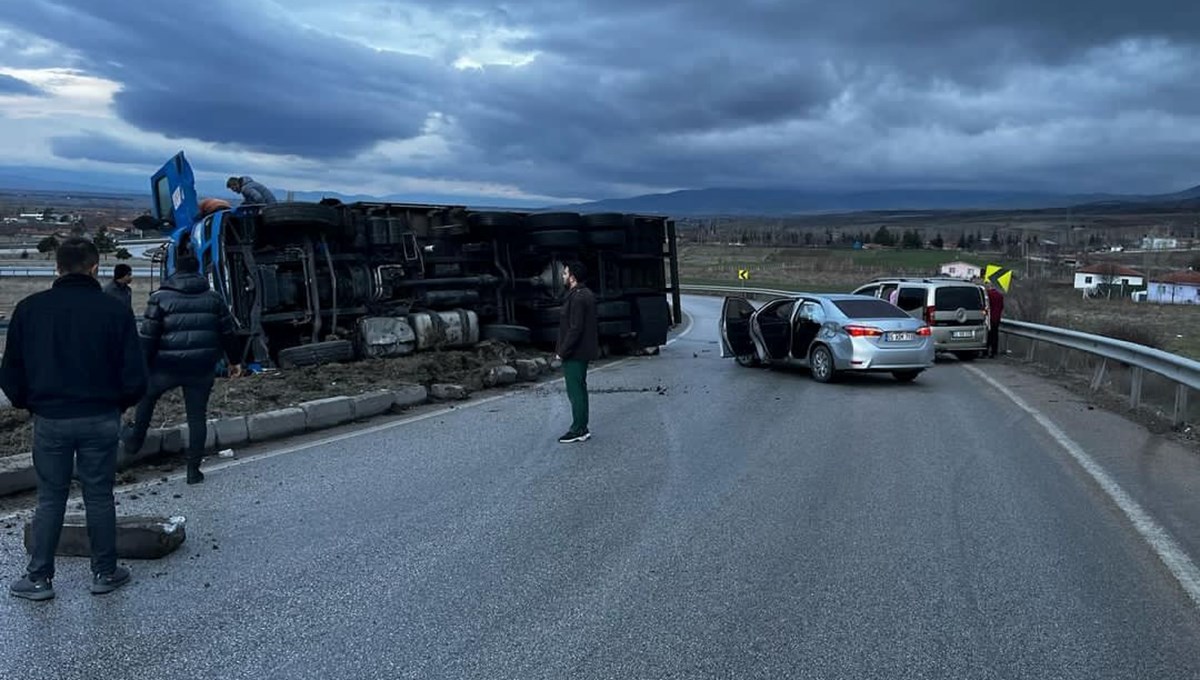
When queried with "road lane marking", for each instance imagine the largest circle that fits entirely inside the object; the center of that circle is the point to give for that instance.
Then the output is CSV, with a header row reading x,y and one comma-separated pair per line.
x,y
383,427
1159,539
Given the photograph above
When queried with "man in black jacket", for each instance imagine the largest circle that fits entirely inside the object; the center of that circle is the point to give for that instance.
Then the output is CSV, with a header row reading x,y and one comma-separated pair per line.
x,y
186,330
119,286
74,361
578,343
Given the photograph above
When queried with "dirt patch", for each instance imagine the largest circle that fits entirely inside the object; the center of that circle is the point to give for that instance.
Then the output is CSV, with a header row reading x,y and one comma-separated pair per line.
x,y
280,389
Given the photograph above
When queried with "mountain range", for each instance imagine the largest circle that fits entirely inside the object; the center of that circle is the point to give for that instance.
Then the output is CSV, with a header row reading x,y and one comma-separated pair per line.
x,y
764,202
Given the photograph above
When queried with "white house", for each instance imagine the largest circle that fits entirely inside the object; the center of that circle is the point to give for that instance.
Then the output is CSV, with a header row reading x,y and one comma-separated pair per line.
x,y
1088,278
1159,243
1179,288
961,270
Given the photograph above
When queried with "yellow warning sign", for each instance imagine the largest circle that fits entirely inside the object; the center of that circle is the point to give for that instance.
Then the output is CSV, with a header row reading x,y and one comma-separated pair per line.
x,y
1002,276
743,274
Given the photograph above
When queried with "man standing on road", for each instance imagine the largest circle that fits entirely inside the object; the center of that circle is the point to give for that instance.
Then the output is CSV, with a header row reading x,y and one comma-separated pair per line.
x,y
578,343
995,311
119,286
186,330
253,193
74,361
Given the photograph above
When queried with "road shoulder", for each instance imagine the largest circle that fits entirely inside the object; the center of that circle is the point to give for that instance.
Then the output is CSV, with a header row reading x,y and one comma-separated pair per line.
x,y
1158,471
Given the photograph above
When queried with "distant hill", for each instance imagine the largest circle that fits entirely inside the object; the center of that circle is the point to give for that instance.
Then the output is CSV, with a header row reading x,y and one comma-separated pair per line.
x,y
777,202
767,201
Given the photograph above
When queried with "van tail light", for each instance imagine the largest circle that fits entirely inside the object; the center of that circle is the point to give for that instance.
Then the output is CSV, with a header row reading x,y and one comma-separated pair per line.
x,y
863,332
925,331
929,314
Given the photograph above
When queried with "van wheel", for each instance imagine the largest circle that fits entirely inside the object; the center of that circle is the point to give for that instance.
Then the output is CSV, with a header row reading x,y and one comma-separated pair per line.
x,y
966,356
820,362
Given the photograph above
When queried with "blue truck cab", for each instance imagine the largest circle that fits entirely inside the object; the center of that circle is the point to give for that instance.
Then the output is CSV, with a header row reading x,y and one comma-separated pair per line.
x,y
176,204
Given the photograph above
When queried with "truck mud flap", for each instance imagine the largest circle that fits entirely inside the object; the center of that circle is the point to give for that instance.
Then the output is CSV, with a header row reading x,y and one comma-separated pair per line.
x,y
651,320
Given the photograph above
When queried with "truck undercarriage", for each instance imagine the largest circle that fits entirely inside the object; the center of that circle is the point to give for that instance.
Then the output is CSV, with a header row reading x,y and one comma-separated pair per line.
x,y
316,282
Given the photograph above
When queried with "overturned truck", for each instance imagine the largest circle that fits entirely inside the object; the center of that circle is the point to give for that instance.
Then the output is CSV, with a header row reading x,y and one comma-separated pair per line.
x,y
311,283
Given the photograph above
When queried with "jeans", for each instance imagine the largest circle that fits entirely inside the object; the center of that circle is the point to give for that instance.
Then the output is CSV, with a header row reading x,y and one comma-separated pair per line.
x,y
196,391
89,446
993,338
575,374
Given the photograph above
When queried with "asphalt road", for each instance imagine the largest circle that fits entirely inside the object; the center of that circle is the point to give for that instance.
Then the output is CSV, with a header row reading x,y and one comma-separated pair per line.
x,y
723,522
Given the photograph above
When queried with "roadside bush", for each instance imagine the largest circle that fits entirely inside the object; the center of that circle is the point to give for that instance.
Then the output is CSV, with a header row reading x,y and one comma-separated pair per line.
x,y
1142,334
1029,300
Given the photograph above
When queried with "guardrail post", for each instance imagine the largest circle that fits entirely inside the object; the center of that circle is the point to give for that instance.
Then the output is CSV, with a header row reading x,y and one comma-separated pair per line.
x,y
1029,353
1135,386
1099,375
1181,404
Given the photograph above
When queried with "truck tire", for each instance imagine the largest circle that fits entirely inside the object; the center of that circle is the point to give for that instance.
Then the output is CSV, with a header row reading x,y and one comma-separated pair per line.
x,y
611,328
605,221
554,221
548,316
314,354
609,238
300,215
557,239
616,309
495,223
515,335
547,335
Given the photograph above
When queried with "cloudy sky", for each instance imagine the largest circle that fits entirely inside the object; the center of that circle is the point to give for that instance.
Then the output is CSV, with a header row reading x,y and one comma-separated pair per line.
x,y
549,100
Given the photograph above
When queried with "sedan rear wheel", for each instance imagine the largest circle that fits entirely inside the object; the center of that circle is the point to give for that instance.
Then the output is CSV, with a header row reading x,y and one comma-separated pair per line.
x,y
747,360
821,364
906,376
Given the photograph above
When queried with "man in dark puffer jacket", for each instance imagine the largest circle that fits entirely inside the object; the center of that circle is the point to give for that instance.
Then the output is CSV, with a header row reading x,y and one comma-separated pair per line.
x,y
186,330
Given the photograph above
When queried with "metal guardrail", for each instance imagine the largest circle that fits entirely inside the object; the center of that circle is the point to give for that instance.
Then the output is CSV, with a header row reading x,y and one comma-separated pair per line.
x,y
1184,372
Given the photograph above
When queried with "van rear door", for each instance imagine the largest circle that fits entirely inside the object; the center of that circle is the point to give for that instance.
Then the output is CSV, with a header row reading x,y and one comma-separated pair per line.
x,y
964,305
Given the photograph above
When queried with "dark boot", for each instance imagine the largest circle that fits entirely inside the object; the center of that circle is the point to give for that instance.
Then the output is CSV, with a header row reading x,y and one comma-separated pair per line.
x,y
194,475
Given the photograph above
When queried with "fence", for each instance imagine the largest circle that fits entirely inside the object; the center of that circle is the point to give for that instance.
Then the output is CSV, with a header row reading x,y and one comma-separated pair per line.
x,y
1108,356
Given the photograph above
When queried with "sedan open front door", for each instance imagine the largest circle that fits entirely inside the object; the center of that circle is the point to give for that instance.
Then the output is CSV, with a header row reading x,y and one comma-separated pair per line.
x,y
736,341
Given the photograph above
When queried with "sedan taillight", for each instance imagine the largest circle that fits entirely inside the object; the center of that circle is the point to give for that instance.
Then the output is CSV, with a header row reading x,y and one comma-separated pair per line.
x,y
863,332
925,331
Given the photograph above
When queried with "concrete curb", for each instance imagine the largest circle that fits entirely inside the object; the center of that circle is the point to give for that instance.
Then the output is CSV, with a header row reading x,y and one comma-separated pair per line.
x,y
17,473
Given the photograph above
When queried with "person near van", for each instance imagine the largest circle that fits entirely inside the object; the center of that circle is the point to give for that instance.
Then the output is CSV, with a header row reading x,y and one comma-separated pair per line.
x,y
119,286
186,330
74,361
995,312
578,344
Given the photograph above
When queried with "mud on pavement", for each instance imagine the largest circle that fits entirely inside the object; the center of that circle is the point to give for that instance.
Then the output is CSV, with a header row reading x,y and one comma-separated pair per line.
x,y
279,389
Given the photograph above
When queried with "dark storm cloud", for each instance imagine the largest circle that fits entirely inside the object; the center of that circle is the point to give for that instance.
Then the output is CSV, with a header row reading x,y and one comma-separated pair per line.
x,y
233,73
677,93
15,86
97,146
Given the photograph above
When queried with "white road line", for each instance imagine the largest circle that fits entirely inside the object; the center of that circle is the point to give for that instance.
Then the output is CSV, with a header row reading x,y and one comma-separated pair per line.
x,y
474,403
1160,541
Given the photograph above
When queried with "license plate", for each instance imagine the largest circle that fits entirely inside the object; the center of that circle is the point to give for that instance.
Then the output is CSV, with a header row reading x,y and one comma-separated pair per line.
x,y
963,334
901,336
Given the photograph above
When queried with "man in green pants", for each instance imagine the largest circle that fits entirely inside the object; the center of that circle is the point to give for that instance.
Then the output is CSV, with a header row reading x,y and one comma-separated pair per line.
x,y
578,343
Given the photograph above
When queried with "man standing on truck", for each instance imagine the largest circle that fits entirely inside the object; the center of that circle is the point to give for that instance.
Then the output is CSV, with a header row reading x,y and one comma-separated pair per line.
x,y
995,311
578,343
186,330
119,286
74,361
253,193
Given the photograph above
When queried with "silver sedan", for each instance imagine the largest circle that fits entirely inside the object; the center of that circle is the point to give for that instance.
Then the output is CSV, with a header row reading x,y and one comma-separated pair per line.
x,y
827,334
